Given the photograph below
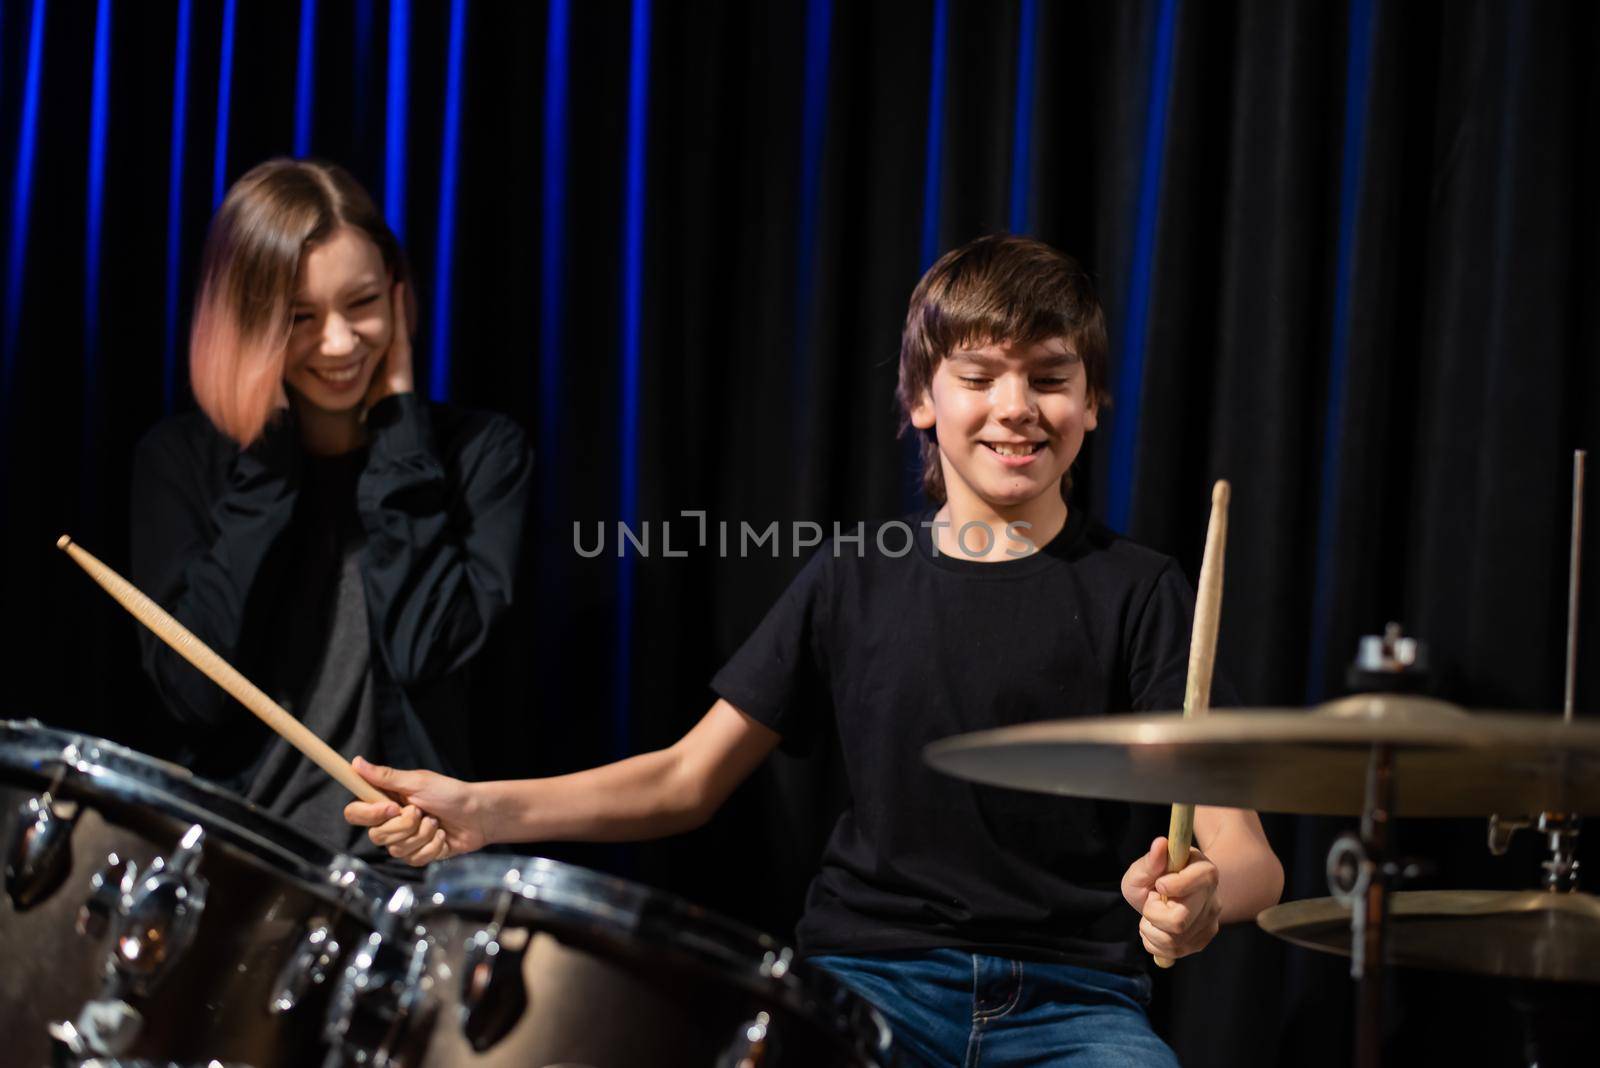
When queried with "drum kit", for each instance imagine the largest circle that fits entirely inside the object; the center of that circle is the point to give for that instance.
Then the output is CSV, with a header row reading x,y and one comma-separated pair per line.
x,y
153,918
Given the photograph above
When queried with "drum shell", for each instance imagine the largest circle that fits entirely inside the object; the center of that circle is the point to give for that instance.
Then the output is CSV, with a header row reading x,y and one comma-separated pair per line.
x,y
656,982
595,1002
213,1001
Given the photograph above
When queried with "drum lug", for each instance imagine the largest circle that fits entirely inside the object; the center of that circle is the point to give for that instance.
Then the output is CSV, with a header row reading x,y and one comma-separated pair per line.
x,y
751,1046
313,961
94,915
381,1013
159,913
309,967
105,1027
494,994
39,849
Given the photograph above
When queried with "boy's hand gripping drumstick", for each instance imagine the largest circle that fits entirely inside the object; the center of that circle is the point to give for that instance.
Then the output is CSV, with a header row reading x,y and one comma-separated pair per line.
x,y
221,672
1202,657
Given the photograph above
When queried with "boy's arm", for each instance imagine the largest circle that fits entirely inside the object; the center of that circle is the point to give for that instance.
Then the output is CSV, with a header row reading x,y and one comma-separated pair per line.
x,y
1249,875
648,796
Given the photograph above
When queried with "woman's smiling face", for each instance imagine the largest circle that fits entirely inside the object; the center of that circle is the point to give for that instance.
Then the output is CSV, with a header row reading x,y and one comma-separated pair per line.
x,y
342,322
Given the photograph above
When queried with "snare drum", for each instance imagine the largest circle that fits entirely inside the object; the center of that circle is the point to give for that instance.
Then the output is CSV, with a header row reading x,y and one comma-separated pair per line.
x,y
149,915
530,962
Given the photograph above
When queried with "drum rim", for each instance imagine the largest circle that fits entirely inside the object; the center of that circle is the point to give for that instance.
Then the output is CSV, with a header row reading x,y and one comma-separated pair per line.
x,y
101,766
613,904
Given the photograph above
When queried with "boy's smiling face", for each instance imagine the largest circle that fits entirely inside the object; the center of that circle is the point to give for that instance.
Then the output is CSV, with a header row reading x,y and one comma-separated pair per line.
x,y
1010,419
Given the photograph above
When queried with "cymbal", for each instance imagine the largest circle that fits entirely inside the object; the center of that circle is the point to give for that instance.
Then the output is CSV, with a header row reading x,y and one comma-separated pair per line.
x,y
1531,934
1446,761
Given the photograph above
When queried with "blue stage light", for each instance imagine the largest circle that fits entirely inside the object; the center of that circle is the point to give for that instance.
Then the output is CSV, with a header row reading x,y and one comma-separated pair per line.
x,y
445,246
22,188
99,108
180,116
394,145
305,77
632,306
1022,128
552,240
1130,372
219,158
934,166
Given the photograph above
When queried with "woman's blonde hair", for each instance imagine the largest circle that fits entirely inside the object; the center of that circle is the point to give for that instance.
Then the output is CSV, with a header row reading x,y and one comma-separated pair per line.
x,y
248,274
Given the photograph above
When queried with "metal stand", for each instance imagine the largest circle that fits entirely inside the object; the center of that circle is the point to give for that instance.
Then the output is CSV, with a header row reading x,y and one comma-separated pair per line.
x,y
1361,868
1359,871
1561,835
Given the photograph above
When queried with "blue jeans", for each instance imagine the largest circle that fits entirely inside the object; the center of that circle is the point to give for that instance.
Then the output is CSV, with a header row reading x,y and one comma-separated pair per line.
x,y
951,1009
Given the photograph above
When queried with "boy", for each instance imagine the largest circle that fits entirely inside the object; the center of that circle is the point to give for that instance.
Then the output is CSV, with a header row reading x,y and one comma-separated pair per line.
x,y
984,923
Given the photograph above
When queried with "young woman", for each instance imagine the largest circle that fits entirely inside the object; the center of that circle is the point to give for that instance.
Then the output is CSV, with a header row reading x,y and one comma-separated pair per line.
x,y
343,543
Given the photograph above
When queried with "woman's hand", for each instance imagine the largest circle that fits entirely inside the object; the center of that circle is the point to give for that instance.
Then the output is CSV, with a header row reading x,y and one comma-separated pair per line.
x,y
1181,912
432,817
393,374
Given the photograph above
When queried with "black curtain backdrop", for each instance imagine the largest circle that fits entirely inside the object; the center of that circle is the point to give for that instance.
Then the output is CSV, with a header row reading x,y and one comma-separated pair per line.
x,y
1347,252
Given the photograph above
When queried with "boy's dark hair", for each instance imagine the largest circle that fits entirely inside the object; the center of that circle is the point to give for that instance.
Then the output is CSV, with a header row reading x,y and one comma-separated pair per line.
x,y
1000,288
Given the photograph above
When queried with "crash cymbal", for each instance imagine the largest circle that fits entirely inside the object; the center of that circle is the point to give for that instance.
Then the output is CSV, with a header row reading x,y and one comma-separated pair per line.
x,y
1532,934
1446,761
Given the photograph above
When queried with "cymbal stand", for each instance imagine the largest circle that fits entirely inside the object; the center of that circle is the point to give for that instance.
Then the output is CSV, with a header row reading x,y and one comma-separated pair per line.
x,y
1359,872
1362,867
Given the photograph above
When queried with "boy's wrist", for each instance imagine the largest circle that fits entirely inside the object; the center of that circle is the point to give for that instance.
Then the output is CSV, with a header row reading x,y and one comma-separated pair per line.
x,y
481,811
498,812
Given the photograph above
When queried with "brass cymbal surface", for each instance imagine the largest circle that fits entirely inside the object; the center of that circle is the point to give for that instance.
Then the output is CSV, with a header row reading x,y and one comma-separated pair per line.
x,y
1532,934
1446,761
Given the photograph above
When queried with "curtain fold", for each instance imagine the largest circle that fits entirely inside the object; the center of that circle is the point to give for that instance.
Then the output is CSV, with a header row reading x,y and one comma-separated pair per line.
x,y
1346,249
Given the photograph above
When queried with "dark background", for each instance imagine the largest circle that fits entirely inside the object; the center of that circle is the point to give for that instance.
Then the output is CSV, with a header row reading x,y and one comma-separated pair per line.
x,y
1347,252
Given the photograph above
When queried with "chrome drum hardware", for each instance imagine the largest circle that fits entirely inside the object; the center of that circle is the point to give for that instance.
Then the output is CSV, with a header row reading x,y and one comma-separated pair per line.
x,y
153,917
493,993
38,848
309,967
158,915
383,1011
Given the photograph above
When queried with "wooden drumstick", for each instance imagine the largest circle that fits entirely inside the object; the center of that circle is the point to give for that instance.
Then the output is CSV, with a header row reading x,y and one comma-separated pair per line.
x,y
219,671
1202,658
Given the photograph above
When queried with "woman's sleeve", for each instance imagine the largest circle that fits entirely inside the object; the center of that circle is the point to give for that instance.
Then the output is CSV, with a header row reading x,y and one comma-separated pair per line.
x,y
200,558
443,541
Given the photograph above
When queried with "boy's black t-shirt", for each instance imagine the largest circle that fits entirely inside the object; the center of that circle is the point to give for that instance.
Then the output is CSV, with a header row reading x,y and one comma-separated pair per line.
x,y
904,650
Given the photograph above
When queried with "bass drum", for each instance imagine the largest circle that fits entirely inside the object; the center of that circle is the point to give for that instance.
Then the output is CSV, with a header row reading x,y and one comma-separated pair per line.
x,y
532,963
151,916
